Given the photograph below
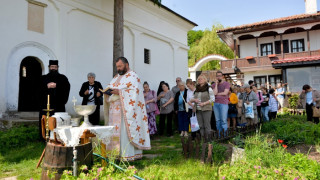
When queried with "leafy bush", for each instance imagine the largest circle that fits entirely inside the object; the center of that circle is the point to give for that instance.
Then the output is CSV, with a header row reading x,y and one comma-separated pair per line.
x,y
293,130
17,137
293,101
218,153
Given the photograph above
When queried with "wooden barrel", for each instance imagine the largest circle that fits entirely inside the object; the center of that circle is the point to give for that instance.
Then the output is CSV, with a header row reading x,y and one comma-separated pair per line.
x,y
58,158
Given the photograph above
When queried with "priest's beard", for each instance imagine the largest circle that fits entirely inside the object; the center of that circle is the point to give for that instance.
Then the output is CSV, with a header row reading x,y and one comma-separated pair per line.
x,y
122,72
53,72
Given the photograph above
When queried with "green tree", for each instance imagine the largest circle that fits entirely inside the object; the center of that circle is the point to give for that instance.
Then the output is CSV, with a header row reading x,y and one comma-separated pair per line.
x,y
210,43
194,37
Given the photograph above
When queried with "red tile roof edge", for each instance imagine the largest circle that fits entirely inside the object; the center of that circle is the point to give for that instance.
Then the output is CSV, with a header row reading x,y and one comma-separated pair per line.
x,y
277,20
299,59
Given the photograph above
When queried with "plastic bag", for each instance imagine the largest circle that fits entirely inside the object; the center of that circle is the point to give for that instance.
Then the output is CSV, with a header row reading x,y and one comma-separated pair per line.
x,y
249,110
194,123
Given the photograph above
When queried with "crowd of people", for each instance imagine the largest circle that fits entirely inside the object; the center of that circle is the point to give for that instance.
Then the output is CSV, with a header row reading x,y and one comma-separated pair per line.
x,y
217,106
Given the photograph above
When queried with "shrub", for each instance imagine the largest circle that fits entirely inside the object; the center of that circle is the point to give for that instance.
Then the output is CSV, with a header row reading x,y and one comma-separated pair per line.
x,y
218,153
293,130
17,137
267,159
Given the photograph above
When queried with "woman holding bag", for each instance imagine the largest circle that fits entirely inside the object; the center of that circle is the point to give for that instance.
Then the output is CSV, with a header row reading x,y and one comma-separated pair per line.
x,y
203,99
181,109
250,98
150,98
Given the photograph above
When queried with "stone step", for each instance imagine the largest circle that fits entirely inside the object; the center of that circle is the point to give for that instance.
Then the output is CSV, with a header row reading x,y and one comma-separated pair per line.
x,y
7,124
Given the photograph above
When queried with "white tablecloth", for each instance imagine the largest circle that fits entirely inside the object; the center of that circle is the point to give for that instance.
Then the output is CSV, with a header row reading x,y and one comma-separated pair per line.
x,y
70,136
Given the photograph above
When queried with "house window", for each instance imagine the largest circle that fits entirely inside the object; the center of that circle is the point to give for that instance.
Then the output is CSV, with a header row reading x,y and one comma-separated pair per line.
x,y
277,46
274,79
266,49
258,80
297,45
146,56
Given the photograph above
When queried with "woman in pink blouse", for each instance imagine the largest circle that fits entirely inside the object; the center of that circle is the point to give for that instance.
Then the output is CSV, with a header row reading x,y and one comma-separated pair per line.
x,y
150,98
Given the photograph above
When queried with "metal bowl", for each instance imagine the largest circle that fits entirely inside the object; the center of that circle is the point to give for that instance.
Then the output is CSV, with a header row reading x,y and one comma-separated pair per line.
x,y
84,110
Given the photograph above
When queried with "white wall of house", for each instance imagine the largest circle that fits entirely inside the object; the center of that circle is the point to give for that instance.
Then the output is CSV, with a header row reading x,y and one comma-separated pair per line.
x,y
248,47
79,33
314,40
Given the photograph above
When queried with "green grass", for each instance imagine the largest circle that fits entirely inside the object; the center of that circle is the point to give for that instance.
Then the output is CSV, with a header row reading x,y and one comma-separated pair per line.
x,y
20,156
21,161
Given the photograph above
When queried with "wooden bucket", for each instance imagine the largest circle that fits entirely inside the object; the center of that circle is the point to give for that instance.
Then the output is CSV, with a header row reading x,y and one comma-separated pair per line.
x,y
58,158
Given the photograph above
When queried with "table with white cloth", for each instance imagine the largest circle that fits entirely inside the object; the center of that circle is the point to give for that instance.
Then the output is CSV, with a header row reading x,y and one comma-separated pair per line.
x,y
73,136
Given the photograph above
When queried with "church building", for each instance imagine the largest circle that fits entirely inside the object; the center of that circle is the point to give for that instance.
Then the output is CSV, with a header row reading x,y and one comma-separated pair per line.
x,y
79,33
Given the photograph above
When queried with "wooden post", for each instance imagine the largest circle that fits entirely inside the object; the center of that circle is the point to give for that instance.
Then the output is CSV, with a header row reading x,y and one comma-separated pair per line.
x,y
190,148
203,152
209,158
281,41
257,46
197,146
103,154
308,40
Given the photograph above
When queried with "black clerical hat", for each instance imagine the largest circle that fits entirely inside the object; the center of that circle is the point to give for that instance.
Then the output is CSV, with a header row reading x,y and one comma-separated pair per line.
x,y
53,62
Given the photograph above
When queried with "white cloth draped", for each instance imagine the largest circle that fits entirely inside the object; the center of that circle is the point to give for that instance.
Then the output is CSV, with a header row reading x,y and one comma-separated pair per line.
x,y
70,136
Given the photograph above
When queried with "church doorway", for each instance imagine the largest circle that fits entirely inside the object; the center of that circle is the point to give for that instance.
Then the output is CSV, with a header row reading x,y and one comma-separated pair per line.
x,y
29,84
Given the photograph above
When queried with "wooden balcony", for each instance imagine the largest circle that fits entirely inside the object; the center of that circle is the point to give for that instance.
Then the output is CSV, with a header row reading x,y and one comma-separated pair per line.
x,y
262,62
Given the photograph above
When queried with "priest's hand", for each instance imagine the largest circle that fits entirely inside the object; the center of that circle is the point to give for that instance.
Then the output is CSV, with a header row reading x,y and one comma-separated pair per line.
x,y
51,85
115,91
98,94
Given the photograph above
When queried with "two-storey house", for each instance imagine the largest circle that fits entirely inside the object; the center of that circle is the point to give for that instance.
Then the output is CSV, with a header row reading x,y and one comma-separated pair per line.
x,y
279,50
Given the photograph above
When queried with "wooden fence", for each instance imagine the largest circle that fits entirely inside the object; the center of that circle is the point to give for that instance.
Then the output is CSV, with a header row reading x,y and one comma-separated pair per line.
x,y
201,148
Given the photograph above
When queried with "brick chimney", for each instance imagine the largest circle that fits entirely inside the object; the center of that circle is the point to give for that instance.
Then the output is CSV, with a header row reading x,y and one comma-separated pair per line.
x,y
311,6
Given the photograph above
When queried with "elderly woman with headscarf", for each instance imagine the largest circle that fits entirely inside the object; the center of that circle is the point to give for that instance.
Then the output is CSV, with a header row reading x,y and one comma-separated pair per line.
x,y
90,91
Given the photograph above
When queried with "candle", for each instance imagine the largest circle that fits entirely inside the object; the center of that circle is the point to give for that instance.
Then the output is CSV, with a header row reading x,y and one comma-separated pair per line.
x,y
48,99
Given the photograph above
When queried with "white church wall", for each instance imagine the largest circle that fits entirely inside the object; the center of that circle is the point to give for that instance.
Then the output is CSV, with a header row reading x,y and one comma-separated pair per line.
x,y
161,61
89,50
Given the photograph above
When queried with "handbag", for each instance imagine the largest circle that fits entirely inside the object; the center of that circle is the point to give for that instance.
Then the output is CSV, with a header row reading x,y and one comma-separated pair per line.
x,y
194,123
101,100
249,110
232,109
185,103
316,112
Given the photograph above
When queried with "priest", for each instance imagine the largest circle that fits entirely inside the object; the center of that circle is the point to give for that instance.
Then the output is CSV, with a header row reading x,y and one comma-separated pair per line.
x,y
57,86
125,109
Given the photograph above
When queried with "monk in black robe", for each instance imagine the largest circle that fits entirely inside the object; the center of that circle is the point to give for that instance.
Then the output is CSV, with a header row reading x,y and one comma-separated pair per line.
x,y
57,86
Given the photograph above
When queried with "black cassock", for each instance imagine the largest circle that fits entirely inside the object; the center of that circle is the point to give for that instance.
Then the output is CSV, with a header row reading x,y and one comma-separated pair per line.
x,y
58,96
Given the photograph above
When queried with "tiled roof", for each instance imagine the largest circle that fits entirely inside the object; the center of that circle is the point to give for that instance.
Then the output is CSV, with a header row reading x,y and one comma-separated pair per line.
x,y
299,59
268,22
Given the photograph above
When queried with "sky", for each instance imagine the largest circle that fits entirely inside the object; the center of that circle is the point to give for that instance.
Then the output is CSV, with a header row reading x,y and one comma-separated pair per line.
x,y
231,13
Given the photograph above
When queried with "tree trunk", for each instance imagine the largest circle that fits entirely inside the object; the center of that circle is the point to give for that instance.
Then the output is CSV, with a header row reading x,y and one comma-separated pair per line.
x,y
117,33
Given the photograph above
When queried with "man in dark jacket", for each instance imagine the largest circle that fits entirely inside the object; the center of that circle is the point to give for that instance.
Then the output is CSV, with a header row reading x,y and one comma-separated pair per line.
x,y
57,86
